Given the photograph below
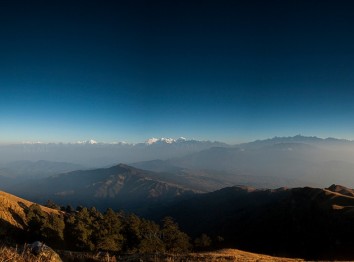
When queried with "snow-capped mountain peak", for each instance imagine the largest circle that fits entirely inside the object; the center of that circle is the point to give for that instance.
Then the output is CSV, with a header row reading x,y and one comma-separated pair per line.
x,y
168,140
164,140
87,142
152,140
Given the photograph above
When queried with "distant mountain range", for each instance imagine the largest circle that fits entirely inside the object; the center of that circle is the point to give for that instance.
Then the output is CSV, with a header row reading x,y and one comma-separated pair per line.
x,y
96,154
200,165
299,160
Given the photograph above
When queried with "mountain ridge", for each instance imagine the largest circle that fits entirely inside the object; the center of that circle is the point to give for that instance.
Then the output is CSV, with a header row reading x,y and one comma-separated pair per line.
x,y
307,222
118,187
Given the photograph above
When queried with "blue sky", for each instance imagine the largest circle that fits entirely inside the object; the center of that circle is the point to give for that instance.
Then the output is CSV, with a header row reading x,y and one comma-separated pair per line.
x,y
221,70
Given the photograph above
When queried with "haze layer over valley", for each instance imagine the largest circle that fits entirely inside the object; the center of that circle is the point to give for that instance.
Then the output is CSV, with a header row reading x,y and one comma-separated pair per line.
x,y
173,168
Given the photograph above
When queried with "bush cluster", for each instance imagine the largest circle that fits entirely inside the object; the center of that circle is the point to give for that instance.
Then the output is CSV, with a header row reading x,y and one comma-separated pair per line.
x,y
87,229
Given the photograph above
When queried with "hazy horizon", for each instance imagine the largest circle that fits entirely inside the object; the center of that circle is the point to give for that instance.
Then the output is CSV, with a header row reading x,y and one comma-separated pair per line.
x,y
164,139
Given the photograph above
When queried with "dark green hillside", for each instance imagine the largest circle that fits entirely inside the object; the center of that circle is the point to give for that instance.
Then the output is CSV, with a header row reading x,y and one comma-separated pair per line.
x,y
302,222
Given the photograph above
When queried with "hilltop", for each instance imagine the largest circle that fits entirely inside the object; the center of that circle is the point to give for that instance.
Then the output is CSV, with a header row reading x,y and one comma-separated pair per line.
x,y
117,187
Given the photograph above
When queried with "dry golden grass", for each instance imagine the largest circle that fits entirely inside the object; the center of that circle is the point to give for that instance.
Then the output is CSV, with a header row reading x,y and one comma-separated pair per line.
x,y
236,255
12,209
224,255
8,254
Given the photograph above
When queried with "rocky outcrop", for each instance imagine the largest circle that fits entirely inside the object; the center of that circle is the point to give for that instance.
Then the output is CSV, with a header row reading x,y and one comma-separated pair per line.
x,y
43,252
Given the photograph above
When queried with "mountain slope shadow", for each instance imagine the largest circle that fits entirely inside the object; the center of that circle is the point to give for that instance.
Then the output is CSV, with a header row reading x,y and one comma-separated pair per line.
x,y
305,222
19,220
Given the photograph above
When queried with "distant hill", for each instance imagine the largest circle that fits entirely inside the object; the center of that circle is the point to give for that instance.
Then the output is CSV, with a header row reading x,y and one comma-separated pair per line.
x,y
118,187
341,190
306,222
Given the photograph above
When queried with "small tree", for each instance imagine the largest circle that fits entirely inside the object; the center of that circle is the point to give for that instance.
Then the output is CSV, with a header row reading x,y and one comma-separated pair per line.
x,y
36,221
109,236
80,230
175,240
203,242
53,230
132,233
51,204
151,241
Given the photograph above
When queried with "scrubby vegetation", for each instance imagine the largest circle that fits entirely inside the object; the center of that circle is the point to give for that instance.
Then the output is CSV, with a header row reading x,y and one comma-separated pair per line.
x,y
12,254
87,229
23,254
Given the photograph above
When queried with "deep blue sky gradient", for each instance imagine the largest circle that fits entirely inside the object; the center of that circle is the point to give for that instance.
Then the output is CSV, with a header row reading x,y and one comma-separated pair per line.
x,y
220,70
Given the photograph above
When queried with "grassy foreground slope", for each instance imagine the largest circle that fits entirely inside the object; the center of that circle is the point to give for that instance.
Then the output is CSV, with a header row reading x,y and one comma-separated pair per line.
x,y
235,255
11,254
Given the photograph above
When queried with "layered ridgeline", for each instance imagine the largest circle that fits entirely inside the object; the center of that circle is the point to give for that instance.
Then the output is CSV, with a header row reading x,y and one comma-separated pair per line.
x,y
305,222
117,187
279,162
271,163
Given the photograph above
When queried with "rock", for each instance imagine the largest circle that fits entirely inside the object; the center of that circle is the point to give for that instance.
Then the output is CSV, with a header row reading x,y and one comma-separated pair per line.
x,y
43,252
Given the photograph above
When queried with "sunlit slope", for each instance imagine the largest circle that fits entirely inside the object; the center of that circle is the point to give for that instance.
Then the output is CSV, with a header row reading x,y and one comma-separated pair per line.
x,y
237,255
13,209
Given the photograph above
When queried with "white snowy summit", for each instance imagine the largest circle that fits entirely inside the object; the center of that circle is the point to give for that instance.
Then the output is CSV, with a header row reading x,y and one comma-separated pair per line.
x,y
87,142
168,140
151,141
164,140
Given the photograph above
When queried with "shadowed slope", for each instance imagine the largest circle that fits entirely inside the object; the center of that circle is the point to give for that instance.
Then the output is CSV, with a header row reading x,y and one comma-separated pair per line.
x,y
304,222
